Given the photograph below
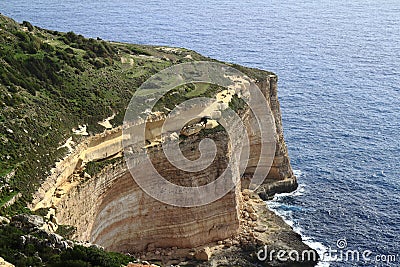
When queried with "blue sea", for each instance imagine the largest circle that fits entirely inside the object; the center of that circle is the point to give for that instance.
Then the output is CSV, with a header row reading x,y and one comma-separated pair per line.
x,y
338,64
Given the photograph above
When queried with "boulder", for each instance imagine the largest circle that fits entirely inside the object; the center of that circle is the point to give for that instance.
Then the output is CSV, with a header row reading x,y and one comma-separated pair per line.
x,y
249,209
55,239
260,228
203,254
4,220
27,221
253,216
151,247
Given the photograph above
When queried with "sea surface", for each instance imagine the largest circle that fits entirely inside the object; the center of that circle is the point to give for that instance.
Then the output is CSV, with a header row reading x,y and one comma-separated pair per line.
x,y
338,64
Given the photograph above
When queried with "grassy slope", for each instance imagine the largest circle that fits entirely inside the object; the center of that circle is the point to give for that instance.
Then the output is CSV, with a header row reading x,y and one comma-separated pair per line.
x,y
51,82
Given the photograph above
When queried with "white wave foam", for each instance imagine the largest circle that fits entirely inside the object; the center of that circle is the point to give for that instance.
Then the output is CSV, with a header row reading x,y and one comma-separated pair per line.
x,y
297,173
276,206
318,246
298,192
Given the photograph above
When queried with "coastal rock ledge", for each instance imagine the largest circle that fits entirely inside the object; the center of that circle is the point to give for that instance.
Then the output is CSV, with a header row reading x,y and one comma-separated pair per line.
x,y
110,209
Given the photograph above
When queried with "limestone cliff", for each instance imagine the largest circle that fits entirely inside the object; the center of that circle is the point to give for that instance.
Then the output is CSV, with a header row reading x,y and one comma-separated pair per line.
x,y
111,210
119,216
280,178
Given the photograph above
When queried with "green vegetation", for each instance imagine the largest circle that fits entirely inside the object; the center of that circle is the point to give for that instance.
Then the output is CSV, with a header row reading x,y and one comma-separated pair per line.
x,y
94,167
38,254
199,89
6,197
237,104
83,256
66,230
4,171
186,92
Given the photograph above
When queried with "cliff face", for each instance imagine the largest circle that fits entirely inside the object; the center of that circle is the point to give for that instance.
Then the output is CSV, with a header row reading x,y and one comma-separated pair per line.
x,y
111,210
281,169
280,178
121,217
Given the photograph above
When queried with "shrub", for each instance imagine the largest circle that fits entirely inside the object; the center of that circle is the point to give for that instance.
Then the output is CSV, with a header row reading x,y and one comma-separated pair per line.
x,y
28,25
69,50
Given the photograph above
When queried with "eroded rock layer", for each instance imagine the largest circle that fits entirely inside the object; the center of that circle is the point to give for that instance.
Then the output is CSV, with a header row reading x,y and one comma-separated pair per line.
x,y
115,213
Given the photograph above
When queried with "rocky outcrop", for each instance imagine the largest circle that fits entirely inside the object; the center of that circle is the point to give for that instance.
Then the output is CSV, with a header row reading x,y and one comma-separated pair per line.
x,y
280,177
40,233
4,263
4,220
94,148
